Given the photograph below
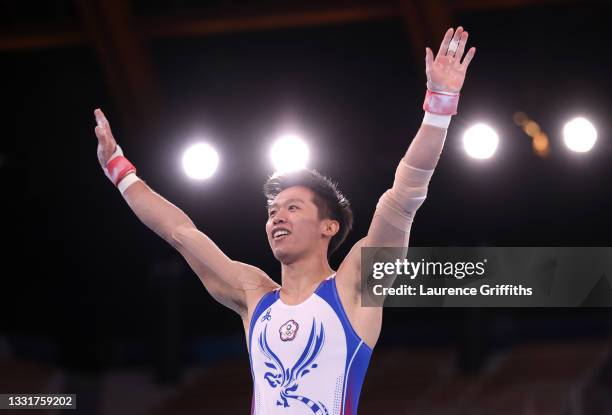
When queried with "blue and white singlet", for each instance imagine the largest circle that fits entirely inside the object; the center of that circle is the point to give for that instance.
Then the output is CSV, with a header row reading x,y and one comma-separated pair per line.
x,y
305,358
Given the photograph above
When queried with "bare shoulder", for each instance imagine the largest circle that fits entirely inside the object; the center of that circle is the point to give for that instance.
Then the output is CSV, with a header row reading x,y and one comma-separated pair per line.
x,y
255,283
253,278
366,321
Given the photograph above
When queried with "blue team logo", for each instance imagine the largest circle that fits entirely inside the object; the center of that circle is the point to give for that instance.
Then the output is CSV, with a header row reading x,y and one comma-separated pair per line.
x,y
287,378
267,316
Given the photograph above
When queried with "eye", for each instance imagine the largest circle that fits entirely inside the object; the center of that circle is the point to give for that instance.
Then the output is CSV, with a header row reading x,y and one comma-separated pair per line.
x,y
292,207
271,213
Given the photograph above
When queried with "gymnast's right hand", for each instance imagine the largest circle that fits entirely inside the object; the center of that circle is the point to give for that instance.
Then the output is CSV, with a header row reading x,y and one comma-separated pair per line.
x,y
106,142
115,166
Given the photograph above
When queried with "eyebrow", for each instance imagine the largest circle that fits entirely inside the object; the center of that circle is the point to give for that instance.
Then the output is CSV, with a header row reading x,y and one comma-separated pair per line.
x,y
273,205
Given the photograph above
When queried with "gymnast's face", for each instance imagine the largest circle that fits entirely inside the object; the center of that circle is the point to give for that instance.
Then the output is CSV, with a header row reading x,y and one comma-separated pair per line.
x,y
294,228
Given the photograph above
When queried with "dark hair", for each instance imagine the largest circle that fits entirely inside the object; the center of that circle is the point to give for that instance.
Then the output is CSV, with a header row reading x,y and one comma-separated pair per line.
x,y
330,202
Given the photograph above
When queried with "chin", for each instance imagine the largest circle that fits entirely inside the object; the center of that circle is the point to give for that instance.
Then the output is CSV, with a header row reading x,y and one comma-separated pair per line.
x,y
283,256
280,255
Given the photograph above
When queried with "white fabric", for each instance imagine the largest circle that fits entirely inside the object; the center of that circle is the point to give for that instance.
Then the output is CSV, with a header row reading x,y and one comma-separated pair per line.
x,y
323,383
127,181
436,120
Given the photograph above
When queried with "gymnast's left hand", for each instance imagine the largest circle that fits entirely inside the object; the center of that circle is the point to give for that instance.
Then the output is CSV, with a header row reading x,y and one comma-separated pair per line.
x,y
446,72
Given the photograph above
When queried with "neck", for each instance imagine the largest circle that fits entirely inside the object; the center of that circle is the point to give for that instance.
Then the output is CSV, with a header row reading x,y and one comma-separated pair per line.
x,y
300,278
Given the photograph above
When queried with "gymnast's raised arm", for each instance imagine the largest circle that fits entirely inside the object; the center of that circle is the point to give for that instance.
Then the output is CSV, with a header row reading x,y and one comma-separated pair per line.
x,y
390,226
231,283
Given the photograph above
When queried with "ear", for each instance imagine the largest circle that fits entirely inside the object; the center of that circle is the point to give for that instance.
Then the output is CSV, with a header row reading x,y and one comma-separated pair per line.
x,y
330,227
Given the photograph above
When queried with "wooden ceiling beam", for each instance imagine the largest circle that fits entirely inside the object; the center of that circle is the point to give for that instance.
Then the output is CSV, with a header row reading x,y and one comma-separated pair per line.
x,y
435,15
425,23
124,59
189,26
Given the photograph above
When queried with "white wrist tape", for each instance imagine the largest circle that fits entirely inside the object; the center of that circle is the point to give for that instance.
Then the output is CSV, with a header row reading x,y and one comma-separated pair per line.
x,y
399,204
127,181
440,121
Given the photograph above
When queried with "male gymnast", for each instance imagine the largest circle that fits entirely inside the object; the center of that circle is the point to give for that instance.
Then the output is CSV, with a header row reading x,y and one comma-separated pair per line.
x,y
309,339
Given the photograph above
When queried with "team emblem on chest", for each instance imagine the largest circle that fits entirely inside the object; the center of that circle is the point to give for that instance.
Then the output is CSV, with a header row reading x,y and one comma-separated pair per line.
x,y
288,330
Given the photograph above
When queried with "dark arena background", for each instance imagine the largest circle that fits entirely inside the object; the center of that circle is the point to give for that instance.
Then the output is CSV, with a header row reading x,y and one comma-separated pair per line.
x,y
93,303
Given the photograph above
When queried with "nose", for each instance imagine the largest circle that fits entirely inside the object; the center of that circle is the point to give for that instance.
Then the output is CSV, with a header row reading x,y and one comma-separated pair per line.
x,y
278,219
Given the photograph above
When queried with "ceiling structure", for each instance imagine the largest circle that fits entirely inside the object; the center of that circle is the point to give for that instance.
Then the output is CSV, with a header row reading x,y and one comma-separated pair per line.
x,y
118,30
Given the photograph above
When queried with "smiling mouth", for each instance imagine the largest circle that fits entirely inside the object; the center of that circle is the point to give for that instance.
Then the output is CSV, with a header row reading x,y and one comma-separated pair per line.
x,y
280,234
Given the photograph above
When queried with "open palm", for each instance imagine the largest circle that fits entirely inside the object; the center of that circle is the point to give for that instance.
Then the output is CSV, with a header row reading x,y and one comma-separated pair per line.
x,y
446,73
106,142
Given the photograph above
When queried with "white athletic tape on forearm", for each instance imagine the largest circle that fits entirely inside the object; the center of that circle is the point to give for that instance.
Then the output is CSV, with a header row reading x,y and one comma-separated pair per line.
x,y
127,181
441,121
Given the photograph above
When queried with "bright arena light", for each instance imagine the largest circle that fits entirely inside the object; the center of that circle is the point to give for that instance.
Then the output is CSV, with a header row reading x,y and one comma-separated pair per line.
x,y
289,153
200,161
480,141
579,135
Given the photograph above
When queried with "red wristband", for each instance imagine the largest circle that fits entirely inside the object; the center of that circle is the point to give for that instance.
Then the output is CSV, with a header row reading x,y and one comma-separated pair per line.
x,y
441,103
118,168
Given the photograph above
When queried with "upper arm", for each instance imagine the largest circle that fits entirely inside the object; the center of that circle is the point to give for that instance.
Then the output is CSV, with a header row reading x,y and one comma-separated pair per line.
x,y
367,321
229,282
380,234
